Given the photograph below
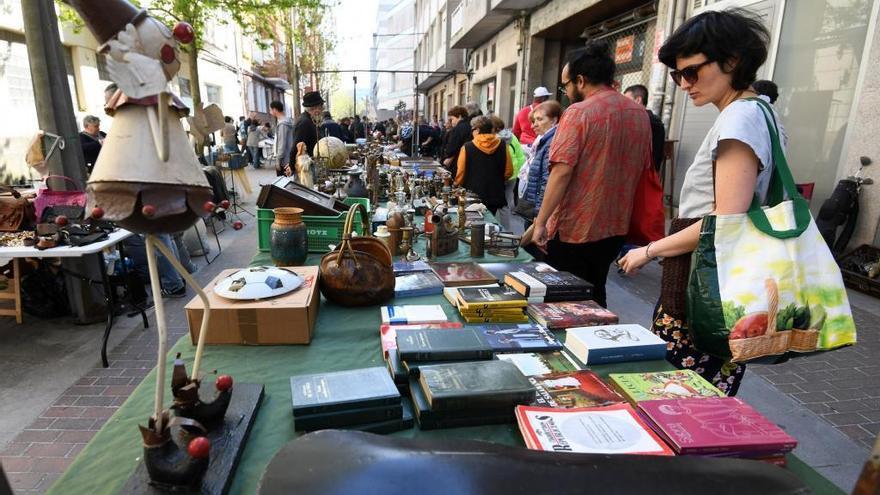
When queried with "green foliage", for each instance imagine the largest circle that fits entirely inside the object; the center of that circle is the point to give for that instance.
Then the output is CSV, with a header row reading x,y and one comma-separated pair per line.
x,y
732,313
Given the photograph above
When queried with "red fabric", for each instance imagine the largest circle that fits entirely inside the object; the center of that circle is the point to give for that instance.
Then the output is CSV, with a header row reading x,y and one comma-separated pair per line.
x,y
647,223
522,127
606,139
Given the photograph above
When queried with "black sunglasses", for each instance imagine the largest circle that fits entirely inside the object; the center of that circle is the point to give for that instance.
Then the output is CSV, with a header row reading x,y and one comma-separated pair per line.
x,y
564,86
691,73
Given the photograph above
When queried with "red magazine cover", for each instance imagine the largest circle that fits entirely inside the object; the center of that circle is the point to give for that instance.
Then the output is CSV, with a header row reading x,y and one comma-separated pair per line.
x,y
571,314
614,429
388,333
575,389
715,425
460,274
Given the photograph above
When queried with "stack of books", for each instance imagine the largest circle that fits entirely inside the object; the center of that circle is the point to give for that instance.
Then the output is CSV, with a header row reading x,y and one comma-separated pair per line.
x,y
388,338
499,270
363,399
413,314
675,384
491,305
562,315
614,429
718,427
614,344
541,287
469,394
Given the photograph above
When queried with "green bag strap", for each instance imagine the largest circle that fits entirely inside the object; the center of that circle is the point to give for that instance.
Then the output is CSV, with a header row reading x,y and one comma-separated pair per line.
x,y
781,182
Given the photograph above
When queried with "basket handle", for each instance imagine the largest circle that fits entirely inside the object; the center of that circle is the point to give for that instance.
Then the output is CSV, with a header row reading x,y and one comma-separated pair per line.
x,y
346,233
772,304
64,177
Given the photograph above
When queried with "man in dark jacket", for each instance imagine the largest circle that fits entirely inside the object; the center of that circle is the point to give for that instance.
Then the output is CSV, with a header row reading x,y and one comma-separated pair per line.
x,y
92,139
305,131
357,129
460,134
639,94
329,127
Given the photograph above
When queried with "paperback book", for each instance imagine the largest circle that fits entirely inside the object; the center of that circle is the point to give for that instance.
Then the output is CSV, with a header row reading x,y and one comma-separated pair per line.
x,y
460,274
499,270
521,318
405,422
406,267
441,345
552,286
417,284
676,384
489,298
476,384
388,333
715,425
560,315
519,338
541,363
340,419
574,389
342,390
614,344
451,293
413,314
614,429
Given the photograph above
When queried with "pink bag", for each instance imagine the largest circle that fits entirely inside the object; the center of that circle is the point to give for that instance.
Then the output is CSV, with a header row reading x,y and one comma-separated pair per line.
x,y
49,197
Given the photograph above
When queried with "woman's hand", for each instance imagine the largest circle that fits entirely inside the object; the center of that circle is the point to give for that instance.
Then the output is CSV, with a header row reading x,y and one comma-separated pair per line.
x,y
633,260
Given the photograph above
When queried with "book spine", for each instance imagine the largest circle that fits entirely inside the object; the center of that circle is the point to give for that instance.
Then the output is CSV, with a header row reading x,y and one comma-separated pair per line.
x,y
321,421
477,401
736,450
496,319
620,355
492,305
516,285
430,291
450,355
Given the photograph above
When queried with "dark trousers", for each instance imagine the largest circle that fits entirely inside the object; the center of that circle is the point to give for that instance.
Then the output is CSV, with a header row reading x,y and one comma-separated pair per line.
x,y
589,261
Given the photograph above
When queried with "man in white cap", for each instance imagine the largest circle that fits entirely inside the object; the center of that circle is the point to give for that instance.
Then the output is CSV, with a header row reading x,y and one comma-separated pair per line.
x,y
522,127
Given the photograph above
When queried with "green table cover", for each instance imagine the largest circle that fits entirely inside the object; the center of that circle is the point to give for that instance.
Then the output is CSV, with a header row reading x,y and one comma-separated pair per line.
x,y
345,338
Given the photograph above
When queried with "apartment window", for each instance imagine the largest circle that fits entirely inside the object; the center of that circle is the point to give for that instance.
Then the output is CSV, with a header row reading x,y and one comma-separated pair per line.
x,y
462,92
101,62
213,93
184,87
493,52
485,57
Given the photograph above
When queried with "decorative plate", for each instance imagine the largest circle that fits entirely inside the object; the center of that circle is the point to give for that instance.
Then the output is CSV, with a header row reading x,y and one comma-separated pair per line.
x,y
260,282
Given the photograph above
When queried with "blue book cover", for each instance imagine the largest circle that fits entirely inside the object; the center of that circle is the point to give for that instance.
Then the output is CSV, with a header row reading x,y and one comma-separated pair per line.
x,y
417,284
525,337
405,267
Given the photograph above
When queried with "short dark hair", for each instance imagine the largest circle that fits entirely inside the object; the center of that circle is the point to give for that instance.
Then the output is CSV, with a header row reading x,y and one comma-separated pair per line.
x,y
733,38
277,105
638,90
766,88
458,111
497,123
227,119
326,115
592,62
482,124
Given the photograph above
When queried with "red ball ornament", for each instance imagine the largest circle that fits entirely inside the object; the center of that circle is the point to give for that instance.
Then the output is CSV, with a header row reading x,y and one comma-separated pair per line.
x,y
224,383
61,220
167,54
148,211
209,206
237,225
97,213
224,204
199,447
184,33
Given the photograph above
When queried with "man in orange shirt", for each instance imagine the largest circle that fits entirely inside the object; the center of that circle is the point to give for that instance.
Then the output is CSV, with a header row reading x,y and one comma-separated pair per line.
x,y
522,128
601,147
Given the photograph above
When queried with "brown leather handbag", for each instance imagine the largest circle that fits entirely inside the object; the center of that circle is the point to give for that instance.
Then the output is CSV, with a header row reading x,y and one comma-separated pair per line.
x,y
16,213
358,272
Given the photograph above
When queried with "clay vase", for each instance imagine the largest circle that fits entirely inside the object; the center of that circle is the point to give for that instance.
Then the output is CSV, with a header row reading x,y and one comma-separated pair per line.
x,y
288,239
355,188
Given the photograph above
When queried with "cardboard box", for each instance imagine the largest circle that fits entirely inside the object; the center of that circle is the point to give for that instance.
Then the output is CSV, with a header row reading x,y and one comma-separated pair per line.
x,y
286,319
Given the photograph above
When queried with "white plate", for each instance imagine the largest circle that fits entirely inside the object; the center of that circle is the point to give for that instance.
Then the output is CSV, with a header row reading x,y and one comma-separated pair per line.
x,y
255,286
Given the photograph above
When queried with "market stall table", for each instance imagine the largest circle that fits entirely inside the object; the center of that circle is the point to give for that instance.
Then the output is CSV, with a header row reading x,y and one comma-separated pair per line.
x,y
98,247
345,338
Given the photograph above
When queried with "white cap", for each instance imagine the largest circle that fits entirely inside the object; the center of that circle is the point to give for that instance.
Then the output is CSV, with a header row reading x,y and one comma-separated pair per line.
x,y
541,91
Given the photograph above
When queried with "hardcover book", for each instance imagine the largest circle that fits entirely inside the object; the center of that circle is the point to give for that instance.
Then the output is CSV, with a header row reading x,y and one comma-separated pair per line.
x,y
574,389
519,338
395,368
405,267
460,274
430,419
496,319
564,283
413,314
388,333
677,384
489,298
440,345
525,284
614,344
541,363
417,284
561,315
715,425
405,422
342,390
451,293
476,384
499,270
340,419
614,429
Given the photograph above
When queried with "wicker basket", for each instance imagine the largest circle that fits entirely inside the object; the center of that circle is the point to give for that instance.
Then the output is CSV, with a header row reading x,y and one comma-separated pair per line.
x,y
772,342
804,340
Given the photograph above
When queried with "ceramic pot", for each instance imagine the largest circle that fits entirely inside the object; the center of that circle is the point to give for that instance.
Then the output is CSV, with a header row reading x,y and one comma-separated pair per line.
x,y
288,241
355,188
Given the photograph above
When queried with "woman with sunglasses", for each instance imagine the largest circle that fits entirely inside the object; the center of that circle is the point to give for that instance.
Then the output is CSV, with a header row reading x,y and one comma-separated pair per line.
x,y
715,57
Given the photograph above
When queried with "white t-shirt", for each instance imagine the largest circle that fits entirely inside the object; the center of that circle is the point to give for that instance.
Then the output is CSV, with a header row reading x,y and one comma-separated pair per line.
x,y
744,121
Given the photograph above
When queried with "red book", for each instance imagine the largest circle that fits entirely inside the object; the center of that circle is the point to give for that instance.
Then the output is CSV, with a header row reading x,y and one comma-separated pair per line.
x,y
575,389
571,314
615,429
461,274
388,333
715,425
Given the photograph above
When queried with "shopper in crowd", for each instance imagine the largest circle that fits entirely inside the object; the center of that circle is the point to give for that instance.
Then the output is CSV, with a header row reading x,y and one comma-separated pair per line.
x,y
599,150
639,94
345,124
253,143
266,131
229,135
546,119
458,136
522,128
428,138
518,158
357,129
379,127
406,139
305,131
766,88
329,127
484,164
92,140
391,130
714,58
243,125
473,109
283,139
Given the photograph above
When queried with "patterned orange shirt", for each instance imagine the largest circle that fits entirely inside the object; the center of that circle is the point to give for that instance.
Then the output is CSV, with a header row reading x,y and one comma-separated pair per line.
x,y
607,140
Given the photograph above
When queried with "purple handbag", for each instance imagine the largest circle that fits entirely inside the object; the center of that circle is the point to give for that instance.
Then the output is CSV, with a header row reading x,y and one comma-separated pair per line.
x,y
50,197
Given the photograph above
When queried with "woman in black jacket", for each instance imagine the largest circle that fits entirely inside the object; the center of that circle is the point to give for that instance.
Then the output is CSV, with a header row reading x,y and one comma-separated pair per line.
x,y
460,134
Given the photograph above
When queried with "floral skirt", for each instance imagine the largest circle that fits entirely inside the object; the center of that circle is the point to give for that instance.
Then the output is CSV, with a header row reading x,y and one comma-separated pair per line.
x,y
681,354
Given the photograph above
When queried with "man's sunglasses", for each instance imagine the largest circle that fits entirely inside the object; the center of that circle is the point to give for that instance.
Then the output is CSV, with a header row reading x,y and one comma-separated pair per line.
x,y
691,73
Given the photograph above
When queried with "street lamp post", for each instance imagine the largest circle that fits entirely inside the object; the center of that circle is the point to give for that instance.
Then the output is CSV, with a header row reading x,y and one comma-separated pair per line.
x,y
355,94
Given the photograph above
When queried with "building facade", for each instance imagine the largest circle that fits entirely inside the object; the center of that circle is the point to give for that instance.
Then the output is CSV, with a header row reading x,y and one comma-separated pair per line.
x,y
442,80
394,41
